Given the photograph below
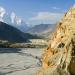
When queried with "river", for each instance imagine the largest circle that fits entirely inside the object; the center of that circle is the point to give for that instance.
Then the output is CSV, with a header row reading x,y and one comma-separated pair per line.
x,y
22,61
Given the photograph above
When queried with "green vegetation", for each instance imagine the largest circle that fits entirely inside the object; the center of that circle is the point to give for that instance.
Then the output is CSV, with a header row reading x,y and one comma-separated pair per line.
x,y
4,43
7,44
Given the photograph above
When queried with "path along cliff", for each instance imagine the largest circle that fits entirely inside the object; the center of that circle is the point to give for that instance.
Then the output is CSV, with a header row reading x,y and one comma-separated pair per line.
x,y
59,57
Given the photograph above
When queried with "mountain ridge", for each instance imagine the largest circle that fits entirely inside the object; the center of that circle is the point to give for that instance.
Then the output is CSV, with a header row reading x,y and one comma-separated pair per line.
x,y
13,34
41,29
12,19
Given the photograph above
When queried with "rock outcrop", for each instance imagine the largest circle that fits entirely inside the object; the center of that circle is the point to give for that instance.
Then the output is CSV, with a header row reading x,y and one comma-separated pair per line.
x,y
59,57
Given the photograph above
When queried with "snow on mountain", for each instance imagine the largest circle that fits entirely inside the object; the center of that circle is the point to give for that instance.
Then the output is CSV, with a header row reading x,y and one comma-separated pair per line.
x,y
2,13
18,22
12,19
15,19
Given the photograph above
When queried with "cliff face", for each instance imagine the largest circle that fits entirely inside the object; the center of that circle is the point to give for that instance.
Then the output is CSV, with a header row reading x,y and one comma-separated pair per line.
x,y
59,58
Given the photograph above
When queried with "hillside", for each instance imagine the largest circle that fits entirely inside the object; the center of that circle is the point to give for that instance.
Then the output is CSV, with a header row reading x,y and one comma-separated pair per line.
x,y
41,30
59,57
12,34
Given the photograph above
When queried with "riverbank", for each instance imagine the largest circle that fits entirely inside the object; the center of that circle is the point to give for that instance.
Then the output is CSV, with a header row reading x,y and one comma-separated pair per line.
x,y
19,61
34,43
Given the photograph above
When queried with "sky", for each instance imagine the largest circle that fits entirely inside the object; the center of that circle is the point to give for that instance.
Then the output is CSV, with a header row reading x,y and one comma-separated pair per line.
x,y
38,11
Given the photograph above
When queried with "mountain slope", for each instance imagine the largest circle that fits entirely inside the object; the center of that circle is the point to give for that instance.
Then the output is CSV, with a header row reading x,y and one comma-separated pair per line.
x,y
11,33
18,22
12,19
41,29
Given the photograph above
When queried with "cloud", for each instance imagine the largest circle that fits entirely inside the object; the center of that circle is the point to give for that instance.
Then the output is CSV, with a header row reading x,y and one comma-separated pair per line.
x,y
2,13
45,17
56,8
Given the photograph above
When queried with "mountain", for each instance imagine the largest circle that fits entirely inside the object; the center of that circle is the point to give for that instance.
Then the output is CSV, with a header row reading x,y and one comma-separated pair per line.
x,y
10,33
41,30
13,19
18,22
59,57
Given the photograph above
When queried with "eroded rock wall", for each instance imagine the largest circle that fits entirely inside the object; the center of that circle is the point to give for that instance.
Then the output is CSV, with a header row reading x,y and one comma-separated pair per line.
x,y
59,57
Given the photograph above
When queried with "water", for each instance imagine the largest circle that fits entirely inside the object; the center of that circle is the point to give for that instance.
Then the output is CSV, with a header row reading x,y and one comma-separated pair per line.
x,y
23,61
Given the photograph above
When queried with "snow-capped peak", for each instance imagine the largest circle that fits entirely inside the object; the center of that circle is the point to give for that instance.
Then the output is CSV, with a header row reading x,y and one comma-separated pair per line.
x,y
12,19
18,20
15,19
2,13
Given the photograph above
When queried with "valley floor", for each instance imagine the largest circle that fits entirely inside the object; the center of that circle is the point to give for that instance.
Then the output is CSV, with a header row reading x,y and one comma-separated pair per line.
x,y
24,61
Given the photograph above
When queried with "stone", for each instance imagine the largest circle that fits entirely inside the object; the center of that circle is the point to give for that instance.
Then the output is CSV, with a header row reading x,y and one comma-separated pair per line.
x,y
59,57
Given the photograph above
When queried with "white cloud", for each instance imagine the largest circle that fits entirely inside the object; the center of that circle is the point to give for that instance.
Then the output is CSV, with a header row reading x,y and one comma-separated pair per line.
x,y
45,17
56,8
2,13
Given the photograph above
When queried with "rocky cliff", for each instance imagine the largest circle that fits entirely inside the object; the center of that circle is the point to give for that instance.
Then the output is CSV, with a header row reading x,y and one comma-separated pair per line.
x,y
59,57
